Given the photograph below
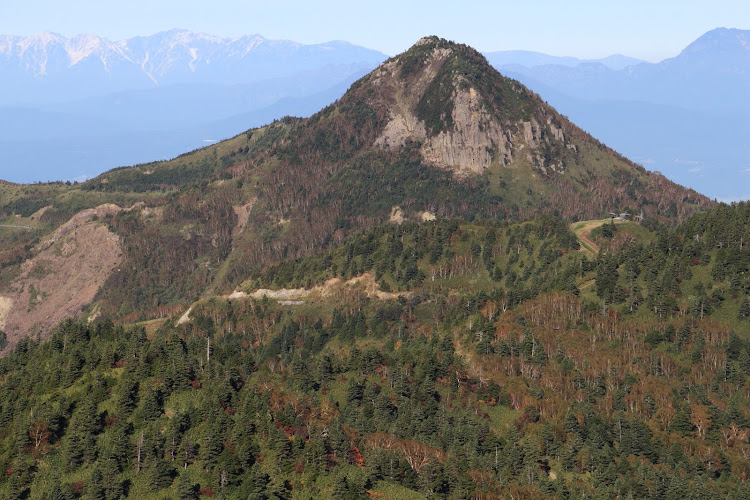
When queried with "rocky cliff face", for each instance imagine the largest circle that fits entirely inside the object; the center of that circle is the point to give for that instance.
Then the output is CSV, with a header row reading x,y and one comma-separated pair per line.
x,y
475,135
469,147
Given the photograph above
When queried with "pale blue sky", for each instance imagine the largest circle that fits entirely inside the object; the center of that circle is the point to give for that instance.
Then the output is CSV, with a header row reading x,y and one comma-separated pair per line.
x,y
648,29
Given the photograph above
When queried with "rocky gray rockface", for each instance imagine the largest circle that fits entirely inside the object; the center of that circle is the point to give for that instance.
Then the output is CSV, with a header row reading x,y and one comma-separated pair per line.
x,y
476,139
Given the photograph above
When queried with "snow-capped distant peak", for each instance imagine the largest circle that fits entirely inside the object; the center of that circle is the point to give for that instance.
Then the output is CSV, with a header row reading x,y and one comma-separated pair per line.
x,y
6,44
187,37
165,57
82,46
250,43
38,41
44,38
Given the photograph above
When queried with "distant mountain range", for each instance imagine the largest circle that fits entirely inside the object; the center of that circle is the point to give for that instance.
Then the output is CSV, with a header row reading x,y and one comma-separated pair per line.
x,y
71,108
74,107
686,116
530,59
711,73
48,67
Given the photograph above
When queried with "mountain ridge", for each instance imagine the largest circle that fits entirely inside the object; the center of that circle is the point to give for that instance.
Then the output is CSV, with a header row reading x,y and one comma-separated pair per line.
x,y
689,79
705,85
52,62
723,38
530,59
435,132
664,149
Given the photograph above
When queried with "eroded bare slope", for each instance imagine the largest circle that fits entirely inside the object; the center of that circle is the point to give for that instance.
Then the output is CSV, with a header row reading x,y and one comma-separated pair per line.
x,y
67,270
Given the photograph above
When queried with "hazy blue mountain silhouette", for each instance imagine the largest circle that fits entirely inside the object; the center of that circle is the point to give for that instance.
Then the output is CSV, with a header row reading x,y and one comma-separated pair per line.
x,y
686,116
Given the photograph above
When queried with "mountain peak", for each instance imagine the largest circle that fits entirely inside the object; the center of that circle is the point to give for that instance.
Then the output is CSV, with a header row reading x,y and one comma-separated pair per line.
x,y
722,40
40,40
433,42
446,96
428,40
429,44
442,105
45,37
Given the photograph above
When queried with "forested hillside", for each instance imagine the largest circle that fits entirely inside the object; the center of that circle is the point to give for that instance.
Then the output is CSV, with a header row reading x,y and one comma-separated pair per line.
x,y
433,132
440,359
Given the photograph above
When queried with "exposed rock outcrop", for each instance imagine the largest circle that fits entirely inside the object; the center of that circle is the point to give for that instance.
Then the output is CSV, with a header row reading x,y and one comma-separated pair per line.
x,y
476,137
63,277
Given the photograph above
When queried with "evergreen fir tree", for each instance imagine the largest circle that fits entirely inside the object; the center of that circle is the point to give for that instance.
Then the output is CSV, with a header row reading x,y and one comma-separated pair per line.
x,y
186,490
681,423
95,486
14,489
